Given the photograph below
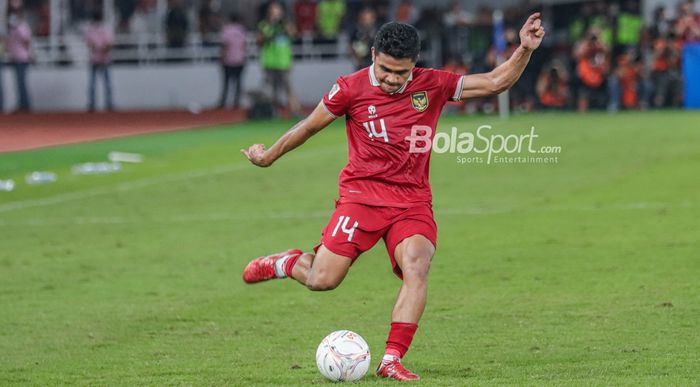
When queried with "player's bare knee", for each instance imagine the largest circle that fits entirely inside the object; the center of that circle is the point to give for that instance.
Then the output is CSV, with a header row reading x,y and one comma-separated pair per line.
x,y
321,282
416,264
320,285
416,271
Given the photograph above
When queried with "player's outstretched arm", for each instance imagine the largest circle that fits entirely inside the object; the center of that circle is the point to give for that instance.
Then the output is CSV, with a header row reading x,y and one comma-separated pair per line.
x,y
297,135
504,76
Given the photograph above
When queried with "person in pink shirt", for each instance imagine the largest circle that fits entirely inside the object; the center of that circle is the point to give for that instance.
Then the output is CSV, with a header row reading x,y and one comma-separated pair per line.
x,y
100,39
233,58
18,45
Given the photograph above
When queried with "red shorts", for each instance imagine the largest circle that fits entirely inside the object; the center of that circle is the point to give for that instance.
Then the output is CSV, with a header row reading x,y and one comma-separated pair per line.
x,y
354,228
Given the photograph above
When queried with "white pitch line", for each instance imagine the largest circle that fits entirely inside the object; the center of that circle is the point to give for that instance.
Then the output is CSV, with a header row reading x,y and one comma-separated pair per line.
x,y
613,207
227,217
142,183
121,187
190,218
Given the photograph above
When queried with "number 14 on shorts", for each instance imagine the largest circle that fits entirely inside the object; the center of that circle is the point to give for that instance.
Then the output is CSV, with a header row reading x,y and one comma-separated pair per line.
x,y
342,224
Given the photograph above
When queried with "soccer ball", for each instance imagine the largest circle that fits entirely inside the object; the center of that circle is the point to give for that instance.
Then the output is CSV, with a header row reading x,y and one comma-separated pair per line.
x,y
343,356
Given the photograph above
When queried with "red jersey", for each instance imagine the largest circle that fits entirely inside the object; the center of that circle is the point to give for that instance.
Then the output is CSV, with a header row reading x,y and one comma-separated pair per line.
x,y
381,171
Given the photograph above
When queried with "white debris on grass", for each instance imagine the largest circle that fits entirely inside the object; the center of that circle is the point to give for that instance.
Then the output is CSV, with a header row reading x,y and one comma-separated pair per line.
x,y
7,185
40,177
96,168
123,157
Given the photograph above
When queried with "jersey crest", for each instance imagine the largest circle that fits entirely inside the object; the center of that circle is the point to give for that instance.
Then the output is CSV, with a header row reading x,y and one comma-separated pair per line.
x,y
419,100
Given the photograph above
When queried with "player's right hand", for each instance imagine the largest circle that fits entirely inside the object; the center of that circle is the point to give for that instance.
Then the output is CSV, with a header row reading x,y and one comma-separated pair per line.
x,y
256,155
532,33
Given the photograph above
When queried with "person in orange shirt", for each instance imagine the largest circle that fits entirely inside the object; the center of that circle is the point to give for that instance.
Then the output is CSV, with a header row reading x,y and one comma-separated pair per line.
x,y
553,86
591,69
628,74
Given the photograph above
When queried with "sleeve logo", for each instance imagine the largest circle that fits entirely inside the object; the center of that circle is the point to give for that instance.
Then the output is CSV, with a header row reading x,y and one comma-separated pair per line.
x,y
334,90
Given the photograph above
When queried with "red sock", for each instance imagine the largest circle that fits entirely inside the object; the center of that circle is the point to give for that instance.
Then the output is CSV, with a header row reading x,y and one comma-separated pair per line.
x,y
291,261
400,337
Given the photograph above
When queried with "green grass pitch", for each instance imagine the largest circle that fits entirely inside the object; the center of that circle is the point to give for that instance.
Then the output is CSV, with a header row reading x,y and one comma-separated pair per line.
x,y
585,272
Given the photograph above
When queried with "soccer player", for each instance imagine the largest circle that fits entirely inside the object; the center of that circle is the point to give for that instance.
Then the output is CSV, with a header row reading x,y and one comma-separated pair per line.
x,y
384,188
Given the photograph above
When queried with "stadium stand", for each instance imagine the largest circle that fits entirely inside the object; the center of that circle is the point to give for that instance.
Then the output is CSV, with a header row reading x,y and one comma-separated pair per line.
x,y
610,55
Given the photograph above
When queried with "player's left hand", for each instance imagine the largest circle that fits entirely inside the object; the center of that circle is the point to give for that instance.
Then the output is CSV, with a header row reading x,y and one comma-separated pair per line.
x,y
532,33
256,155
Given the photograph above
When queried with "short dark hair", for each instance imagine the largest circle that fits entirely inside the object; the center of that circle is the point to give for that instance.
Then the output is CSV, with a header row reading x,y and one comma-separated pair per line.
x,y
398,40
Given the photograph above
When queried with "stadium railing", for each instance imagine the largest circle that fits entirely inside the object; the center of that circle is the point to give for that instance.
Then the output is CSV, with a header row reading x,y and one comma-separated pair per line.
x,y
145,49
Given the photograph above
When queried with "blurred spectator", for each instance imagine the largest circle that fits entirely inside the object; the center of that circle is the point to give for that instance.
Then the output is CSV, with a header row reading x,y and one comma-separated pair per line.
x,y
630,55
82,10
431,30
209,21
479,39
591,68
19,42
661,25
577,27
100,39
275,39
666,71
604,13
382,8
614,87
512,43
176,24
145,20
305,16
687,26
553,86
43,19
629,25
456,21
329,15
363,38
126,9
352,10
263,8
456,16
233,58
628,75
406,12
456,65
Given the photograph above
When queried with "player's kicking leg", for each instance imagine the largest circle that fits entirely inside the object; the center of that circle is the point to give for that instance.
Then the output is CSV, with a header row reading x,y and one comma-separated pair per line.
x,y
324,270
413,255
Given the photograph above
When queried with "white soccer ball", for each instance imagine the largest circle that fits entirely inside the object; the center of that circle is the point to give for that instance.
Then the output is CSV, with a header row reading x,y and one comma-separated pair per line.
x,y
343,356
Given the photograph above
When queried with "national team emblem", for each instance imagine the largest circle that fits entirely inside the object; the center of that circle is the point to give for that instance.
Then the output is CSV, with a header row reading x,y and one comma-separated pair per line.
x,y
419,100
372,110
